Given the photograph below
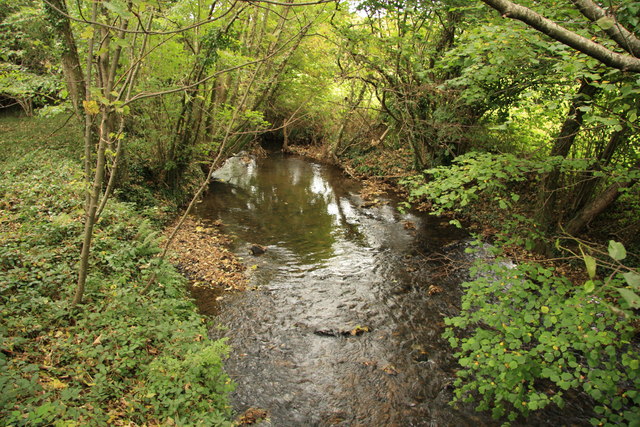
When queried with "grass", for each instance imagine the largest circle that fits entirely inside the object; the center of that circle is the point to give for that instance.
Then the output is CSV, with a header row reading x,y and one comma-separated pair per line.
x,y
120,358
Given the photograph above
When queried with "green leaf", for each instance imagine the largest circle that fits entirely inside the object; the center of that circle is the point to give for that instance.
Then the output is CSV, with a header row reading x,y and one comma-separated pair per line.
x,y
87,33
631,297
589,286
617,250
121,42
590,263
606,22
633,279
117,8
91,107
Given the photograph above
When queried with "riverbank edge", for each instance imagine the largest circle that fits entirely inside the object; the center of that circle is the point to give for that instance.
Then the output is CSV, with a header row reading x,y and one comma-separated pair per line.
x,y
201,253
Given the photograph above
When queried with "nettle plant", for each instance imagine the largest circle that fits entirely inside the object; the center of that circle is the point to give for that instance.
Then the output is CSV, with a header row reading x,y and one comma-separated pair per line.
x,y
525,336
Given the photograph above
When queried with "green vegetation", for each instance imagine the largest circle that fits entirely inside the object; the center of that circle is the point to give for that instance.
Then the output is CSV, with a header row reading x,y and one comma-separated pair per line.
x,y
118,358
531,335
522,124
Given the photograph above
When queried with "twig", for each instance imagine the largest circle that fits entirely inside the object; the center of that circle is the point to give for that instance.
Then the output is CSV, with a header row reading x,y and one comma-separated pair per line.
x,y
61,126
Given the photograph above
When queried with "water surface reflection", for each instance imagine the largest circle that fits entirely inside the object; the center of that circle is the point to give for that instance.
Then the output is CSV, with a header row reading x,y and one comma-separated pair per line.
x,y
342,326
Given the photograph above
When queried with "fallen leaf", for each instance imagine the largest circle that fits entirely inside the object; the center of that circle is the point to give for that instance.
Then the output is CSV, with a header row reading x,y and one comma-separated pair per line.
x,y
433,289
390,370
358,330
57,384
252,416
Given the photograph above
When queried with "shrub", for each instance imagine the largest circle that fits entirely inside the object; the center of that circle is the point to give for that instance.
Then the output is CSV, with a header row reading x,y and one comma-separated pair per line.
x,y
525,336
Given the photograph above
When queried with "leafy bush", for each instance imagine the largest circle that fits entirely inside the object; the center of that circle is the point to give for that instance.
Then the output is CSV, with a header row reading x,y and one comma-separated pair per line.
x,y
472,176
26,88
525,336
498,189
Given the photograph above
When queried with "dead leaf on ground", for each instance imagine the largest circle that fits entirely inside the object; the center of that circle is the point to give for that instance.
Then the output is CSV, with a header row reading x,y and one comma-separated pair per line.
x,y
252,416
434,289
98,340
390,370
358,330
200,252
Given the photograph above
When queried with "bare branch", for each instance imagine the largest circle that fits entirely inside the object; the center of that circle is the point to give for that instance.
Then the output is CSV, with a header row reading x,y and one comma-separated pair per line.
x,y
288,4
144,31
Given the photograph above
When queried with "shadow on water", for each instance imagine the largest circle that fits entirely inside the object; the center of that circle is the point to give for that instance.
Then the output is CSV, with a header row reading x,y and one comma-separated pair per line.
x,y
343,324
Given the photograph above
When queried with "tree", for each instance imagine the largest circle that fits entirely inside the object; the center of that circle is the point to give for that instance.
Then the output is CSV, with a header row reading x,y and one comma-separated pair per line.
x,y
625,39
118,37
585,204
398,50
123,42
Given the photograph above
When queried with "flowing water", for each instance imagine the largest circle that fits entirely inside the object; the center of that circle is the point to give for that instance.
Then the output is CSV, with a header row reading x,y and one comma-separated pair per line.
x,y
342,322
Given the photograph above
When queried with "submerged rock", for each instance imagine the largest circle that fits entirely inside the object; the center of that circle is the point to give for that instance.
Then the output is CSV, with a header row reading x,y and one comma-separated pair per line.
x,y
257,249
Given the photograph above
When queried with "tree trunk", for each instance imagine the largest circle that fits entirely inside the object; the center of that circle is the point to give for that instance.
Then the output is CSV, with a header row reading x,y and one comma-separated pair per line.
x,y
90,213
548,197
623,37
71,68
588,184
582,44
285,133
336,143
597,206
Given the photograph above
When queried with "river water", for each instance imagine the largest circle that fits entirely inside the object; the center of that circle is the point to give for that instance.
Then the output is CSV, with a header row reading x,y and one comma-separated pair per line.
x,y
342,321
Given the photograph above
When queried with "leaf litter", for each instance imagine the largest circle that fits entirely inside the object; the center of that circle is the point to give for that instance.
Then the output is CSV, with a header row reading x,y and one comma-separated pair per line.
x,y
201,252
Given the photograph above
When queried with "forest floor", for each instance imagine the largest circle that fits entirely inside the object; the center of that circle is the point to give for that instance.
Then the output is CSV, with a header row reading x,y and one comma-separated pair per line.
x,y
119,358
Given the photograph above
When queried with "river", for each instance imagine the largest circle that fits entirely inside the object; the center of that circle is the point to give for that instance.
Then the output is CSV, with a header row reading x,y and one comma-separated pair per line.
x,y
342,321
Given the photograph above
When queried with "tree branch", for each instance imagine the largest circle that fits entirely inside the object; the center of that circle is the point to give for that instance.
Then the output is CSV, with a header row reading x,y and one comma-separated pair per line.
x,y
595,50
619,34
144,31
259,61
311,3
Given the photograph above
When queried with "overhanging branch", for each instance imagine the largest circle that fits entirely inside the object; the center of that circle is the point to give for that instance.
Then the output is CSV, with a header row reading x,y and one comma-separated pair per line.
x,y
546,26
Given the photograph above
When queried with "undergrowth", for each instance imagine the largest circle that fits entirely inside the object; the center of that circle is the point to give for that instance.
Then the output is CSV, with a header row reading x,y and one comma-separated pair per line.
x,y
120,358
527,335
